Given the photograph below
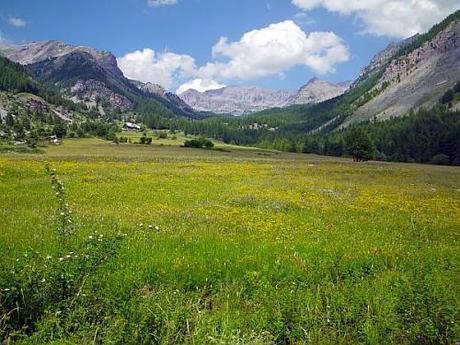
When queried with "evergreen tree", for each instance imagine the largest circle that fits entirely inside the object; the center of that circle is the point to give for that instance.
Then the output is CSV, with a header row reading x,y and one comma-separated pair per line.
x,y
359,144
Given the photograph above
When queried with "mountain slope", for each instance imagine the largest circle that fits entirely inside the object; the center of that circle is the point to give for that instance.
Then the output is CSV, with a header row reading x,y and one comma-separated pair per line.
x,y
158,91
87,75
417,75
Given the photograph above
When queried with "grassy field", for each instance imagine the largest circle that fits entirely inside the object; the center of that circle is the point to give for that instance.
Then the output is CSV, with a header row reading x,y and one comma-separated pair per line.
x,y
167,245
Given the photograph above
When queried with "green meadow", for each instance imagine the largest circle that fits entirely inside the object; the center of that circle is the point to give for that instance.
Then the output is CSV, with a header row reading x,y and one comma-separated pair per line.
x,y
159,244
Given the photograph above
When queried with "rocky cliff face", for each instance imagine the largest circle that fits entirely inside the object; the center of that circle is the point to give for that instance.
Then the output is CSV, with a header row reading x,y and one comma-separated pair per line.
x,y
86,74
154,89
416,78
236,100
317,91
91,90
382,58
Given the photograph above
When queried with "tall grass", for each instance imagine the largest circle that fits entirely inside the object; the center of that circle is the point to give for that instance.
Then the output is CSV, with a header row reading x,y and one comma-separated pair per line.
x,y
242,247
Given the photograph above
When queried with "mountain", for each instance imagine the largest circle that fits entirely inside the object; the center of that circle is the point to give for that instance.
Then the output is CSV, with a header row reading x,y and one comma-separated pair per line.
x,y
317,91
158,91
90,76
412,74
236,100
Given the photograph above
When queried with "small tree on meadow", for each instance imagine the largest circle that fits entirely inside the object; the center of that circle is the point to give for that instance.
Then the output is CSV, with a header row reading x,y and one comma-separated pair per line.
x,y
358,144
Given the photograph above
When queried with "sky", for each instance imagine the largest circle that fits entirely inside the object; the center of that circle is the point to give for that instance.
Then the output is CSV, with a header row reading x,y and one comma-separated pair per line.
x,y
206,44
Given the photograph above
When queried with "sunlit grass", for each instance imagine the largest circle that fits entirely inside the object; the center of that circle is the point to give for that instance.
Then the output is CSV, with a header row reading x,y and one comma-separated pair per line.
x,y
253,246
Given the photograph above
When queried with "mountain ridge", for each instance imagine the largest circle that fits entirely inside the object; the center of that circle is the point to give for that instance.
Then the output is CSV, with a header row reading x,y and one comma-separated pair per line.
x,y
246,99
86,75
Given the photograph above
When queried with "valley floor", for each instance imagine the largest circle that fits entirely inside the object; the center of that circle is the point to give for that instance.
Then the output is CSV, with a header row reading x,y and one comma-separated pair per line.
x,y
235,246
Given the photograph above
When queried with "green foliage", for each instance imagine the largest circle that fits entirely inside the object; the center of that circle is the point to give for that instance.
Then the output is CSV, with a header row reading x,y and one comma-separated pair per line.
x,y
14,77
41,286
60,130
450,94
145,140
358,144
64,214
440,159
199,143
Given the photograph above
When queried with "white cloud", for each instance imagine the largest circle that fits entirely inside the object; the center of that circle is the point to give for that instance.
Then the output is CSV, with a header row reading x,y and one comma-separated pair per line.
x,y
161,68
200,85
156,3
303,18
395,18
269,51
274,50
17,22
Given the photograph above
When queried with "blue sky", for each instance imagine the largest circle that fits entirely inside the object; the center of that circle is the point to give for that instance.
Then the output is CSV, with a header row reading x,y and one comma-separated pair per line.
x,y
172,41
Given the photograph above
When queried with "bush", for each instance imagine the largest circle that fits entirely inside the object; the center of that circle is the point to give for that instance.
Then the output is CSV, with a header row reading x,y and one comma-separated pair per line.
x,y
145,140
440,159
111,136
199,143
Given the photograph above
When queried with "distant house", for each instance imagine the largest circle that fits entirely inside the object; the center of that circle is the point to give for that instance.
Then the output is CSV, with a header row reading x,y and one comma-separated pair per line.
x,y
129,126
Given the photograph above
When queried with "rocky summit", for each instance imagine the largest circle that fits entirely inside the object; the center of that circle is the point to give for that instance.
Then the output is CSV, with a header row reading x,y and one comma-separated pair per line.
x,y
239,100
236,100
316,91
89,76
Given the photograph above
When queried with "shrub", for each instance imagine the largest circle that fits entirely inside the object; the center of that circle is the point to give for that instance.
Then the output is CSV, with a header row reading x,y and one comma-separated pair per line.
x,y
199,143
145,140
440,159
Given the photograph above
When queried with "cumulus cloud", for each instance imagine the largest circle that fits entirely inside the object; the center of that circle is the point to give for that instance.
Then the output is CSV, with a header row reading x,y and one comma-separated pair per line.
x,y
200,85
395,18
273,50
17,22
269,51
162,68
156,3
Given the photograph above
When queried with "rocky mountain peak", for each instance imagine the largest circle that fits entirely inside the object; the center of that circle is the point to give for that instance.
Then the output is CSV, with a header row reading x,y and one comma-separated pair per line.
x,y
154,89
236,99
316,91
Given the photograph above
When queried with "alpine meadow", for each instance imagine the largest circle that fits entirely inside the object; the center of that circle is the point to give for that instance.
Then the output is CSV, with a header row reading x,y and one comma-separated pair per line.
x,y
202,185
